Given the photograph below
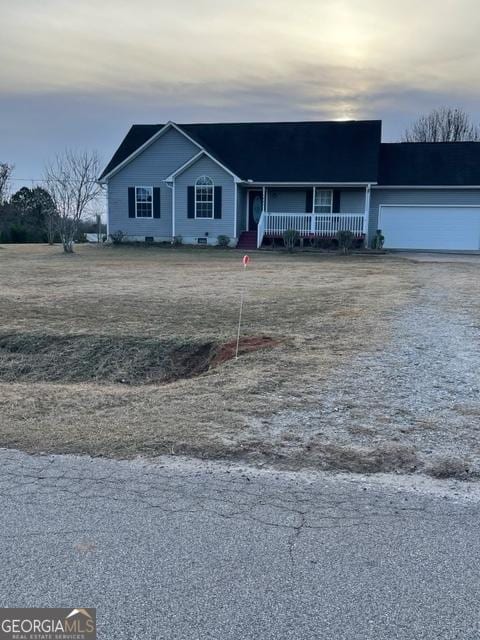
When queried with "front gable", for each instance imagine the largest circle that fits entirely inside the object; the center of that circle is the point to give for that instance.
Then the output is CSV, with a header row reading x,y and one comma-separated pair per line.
x,y
148,168
158,159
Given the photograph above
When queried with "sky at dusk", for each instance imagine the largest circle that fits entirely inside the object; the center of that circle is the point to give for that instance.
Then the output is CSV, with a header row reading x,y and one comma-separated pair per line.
x,y
78,74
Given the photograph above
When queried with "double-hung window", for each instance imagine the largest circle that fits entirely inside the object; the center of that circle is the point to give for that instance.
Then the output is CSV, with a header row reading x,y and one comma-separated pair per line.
x,y
144,202
323,202
204,197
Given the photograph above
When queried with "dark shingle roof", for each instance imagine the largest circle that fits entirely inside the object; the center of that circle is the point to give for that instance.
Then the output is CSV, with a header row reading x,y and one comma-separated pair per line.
x,y
430,163
294,151
280,151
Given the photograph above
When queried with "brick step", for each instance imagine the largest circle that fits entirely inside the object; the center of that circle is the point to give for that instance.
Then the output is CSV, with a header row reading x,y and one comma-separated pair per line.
x,y
247,240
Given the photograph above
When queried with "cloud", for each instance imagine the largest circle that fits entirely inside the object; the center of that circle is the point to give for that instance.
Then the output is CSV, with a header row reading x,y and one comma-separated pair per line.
x,y
81,73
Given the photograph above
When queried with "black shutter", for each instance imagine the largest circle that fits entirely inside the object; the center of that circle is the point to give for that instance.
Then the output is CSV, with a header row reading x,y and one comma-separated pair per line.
x,y
131,202
218,203
336,201
156,202
191,202
309,201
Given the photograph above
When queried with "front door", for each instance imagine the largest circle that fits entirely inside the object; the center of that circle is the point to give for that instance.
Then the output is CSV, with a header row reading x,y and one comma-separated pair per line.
x,y
255,207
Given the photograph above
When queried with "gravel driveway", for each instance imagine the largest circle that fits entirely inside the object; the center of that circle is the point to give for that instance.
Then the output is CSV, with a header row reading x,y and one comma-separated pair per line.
x,y
419,391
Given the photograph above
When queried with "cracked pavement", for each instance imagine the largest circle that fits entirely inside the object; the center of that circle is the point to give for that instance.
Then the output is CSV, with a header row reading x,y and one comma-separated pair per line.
x,y
192,550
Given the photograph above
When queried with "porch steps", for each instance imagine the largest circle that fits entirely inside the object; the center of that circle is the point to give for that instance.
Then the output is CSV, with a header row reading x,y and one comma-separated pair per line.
x,y
247,240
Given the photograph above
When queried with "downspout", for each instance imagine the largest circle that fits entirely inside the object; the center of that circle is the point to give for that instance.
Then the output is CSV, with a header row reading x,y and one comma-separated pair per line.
x,y
235,200
174,230
171,186
108,207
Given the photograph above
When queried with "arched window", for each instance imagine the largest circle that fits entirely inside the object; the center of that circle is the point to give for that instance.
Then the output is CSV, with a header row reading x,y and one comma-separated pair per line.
x,y
204,196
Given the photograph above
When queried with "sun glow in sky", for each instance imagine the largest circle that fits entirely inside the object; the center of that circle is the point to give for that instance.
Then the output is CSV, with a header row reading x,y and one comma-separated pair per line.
x,y
79,73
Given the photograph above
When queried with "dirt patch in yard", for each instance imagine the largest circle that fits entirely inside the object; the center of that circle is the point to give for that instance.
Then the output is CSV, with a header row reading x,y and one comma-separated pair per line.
x,y
227,350
121,359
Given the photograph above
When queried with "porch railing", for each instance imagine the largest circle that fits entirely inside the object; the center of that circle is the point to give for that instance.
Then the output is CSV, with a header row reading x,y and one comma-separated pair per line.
x,y
309,224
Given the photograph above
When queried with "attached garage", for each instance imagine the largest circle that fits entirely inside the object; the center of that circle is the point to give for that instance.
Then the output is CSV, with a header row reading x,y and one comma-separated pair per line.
x,y
428,196
430,227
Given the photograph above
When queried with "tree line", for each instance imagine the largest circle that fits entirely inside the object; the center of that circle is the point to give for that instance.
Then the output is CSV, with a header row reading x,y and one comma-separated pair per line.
x,y
57,212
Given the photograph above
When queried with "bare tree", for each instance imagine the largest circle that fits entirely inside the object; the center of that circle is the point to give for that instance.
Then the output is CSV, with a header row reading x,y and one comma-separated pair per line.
x,y
51,219
446,124
5,174
72,183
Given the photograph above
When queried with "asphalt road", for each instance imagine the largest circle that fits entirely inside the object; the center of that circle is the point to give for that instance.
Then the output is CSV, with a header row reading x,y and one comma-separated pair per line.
x,y
200,552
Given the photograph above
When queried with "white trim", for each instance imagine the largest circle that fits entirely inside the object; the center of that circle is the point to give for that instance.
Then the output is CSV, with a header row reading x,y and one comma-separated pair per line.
x,y
151,140
235,198
212,186
108,213
366,219
433,206
140,186
406,186
173,209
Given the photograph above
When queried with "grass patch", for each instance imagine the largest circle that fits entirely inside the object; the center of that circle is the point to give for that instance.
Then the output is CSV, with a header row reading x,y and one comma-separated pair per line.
x,y
384,458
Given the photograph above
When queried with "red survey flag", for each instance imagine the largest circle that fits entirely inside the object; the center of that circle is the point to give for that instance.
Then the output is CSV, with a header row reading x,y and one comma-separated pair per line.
x,y
246,260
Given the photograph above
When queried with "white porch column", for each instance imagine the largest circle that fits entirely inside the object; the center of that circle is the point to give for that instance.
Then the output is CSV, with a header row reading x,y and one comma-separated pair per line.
x,y
264,198
366,216
312,219
235,206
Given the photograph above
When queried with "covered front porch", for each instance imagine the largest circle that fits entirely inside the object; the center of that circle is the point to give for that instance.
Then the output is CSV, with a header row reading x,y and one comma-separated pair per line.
x,y
314,211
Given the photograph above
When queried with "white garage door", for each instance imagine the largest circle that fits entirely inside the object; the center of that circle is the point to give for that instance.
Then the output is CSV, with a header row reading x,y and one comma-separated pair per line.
x,y
430,227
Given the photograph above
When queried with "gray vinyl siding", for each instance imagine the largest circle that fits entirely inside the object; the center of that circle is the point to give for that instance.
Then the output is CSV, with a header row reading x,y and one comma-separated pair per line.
x,y
418,197
192,228
286,200
352,201
150,168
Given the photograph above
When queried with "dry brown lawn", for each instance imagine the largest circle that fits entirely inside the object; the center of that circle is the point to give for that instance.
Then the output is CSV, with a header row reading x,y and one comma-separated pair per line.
x,y
325,310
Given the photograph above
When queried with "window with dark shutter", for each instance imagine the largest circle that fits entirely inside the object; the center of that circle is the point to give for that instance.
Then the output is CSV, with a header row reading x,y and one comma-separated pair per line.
x,y
218,203
131,202
156,202
336,201
191,202
309,201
